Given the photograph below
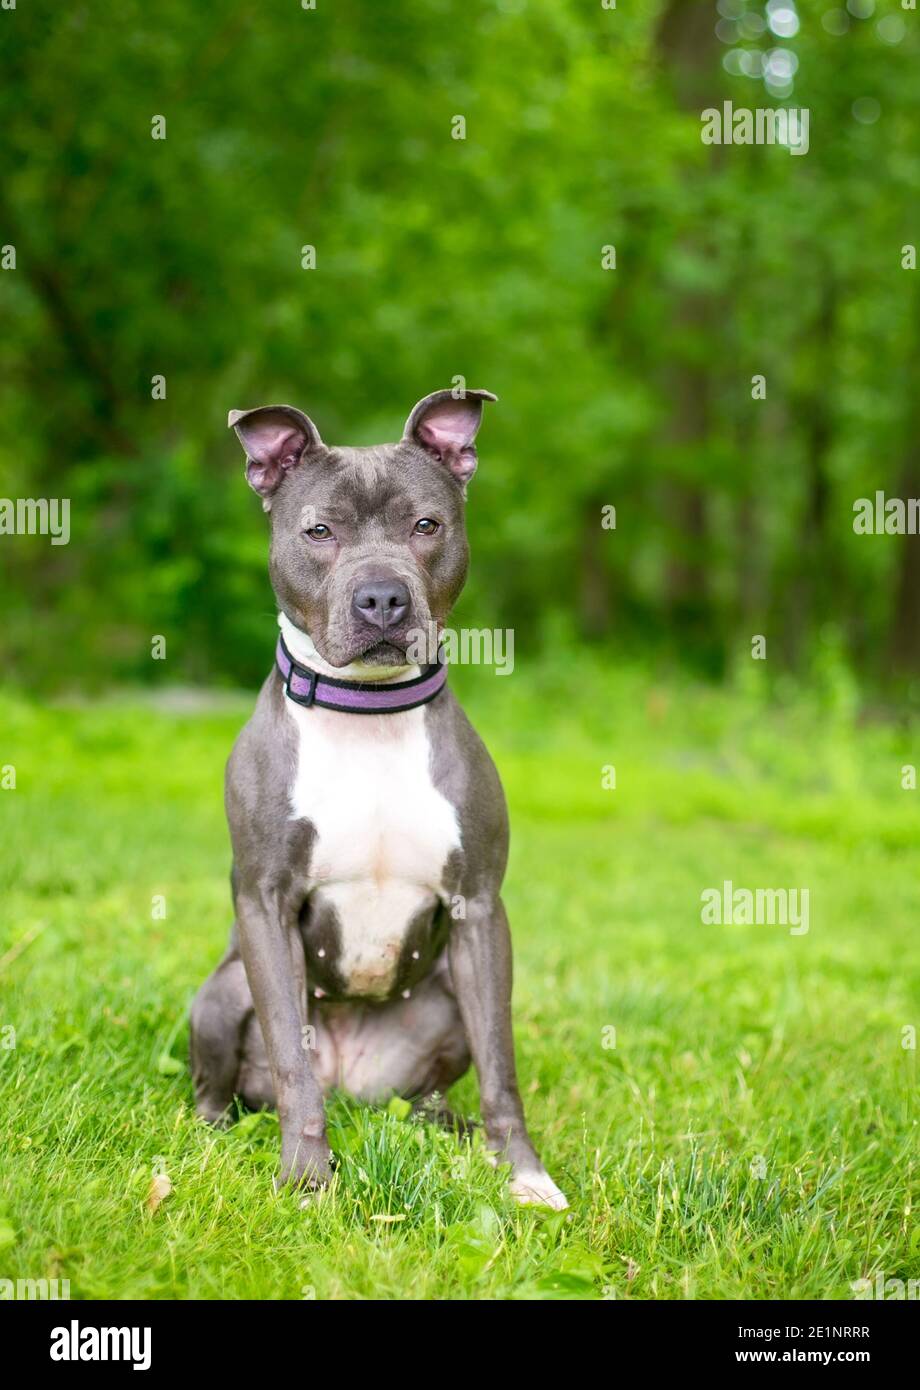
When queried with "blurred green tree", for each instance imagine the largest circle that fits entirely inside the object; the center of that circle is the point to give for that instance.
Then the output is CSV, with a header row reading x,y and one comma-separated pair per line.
x,y
181,258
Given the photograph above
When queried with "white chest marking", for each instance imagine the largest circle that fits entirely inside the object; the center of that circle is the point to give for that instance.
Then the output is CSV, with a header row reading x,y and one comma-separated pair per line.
x,y
383,830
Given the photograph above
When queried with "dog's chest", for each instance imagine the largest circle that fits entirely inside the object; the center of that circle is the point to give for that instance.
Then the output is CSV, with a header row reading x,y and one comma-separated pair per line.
x,y
384,834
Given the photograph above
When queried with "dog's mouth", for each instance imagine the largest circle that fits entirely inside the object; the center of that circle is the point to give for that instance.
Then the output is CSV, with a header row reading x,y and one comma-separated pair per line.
x,y
358,645
383,653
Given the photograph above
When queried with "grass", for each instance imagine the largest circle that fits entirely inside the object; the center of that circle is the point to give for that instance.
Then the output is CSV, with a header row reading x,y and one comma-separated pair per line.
x,y
752,1134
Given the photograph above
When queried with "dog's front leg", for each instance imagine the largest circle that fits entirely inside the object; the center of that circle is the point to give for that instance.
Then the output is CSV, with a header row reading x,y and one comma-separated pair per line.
x,y
266,941
480,965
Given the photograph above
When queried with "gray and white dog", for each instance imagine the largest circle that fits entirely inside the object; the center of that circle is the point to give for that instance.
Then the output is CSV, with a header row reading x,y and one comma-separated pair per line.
x,y
371,949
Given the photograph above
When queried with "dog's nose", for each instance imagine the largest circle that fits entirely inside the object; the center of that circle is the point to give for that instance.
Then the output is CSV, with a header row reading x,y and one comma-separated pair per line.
x,y
382,603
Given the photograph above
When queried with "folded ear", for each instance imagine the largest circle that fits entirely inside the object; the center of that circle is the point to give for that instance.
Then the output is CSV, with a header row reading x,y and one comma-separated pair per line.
x,y
446,426
275,438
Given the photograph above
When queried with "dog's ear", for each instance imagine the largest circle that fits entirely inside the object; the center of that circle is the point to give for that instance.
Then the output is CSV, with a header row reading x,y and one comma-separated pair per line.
x,y
275,438
445,425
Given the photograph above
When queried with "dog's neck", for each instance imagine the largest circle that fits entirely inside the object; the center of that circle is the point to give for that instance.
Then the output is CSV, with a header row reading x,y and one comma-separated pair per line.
x,y
301,646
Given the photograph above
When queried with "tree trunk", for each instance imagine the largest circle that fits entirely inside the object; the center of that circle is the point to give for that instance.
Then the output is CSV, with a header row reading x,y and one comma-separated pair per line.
x,y
904,641
688,49
594,596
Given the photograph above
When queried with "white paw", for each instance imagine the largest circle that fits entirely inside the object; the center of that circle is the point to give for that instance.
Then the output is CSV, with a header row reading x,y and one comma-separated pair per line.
x,y
537,1190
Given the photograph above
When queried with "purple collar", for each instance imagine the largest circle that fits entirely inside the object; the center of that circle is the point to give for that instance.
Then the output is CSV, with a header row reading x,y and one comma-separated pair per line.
x,y
356,697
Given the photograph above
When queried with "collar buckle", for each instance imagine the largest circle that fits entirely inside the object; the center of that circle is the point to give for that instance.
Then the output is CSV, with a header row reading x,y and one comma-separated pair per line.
x,y
305,693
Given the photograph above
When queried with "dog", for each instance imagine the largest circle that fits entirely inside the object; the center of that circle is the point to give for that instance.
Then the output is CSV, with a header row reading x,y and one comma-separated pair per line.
x,y
371,949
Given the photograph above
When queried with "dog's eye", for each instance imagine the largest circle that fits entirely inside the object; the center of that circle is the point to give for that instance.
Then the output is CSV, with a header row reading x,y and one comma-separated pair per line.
x,y
319,533
426,527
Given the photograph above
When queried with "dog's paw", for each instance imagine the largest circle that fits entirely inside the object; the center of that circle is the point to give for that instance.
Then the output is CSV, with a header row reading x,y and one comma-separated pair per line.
x,y
214,1114
310,1166
537,1189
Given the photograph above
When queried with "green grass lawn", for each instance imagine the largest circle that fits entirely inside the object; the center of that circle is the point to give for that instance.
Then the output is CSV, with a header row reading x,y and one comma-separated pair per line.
x,y
752,1133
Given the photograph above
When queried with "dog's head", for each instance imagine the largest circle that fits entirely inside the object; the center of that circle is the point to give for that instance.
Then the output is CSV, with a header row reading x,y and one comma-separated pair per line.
x,y
368,546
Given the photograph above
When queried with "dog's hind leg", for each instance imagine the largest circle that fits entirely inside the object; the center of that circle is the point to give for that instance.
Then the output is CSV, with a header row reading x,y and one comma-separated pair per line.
x,y
220,1013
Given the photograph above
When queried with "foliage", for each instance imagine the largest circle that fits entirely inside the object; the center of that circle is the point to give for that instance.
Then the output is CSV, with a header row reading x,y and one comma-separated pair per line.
x,y
480,257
